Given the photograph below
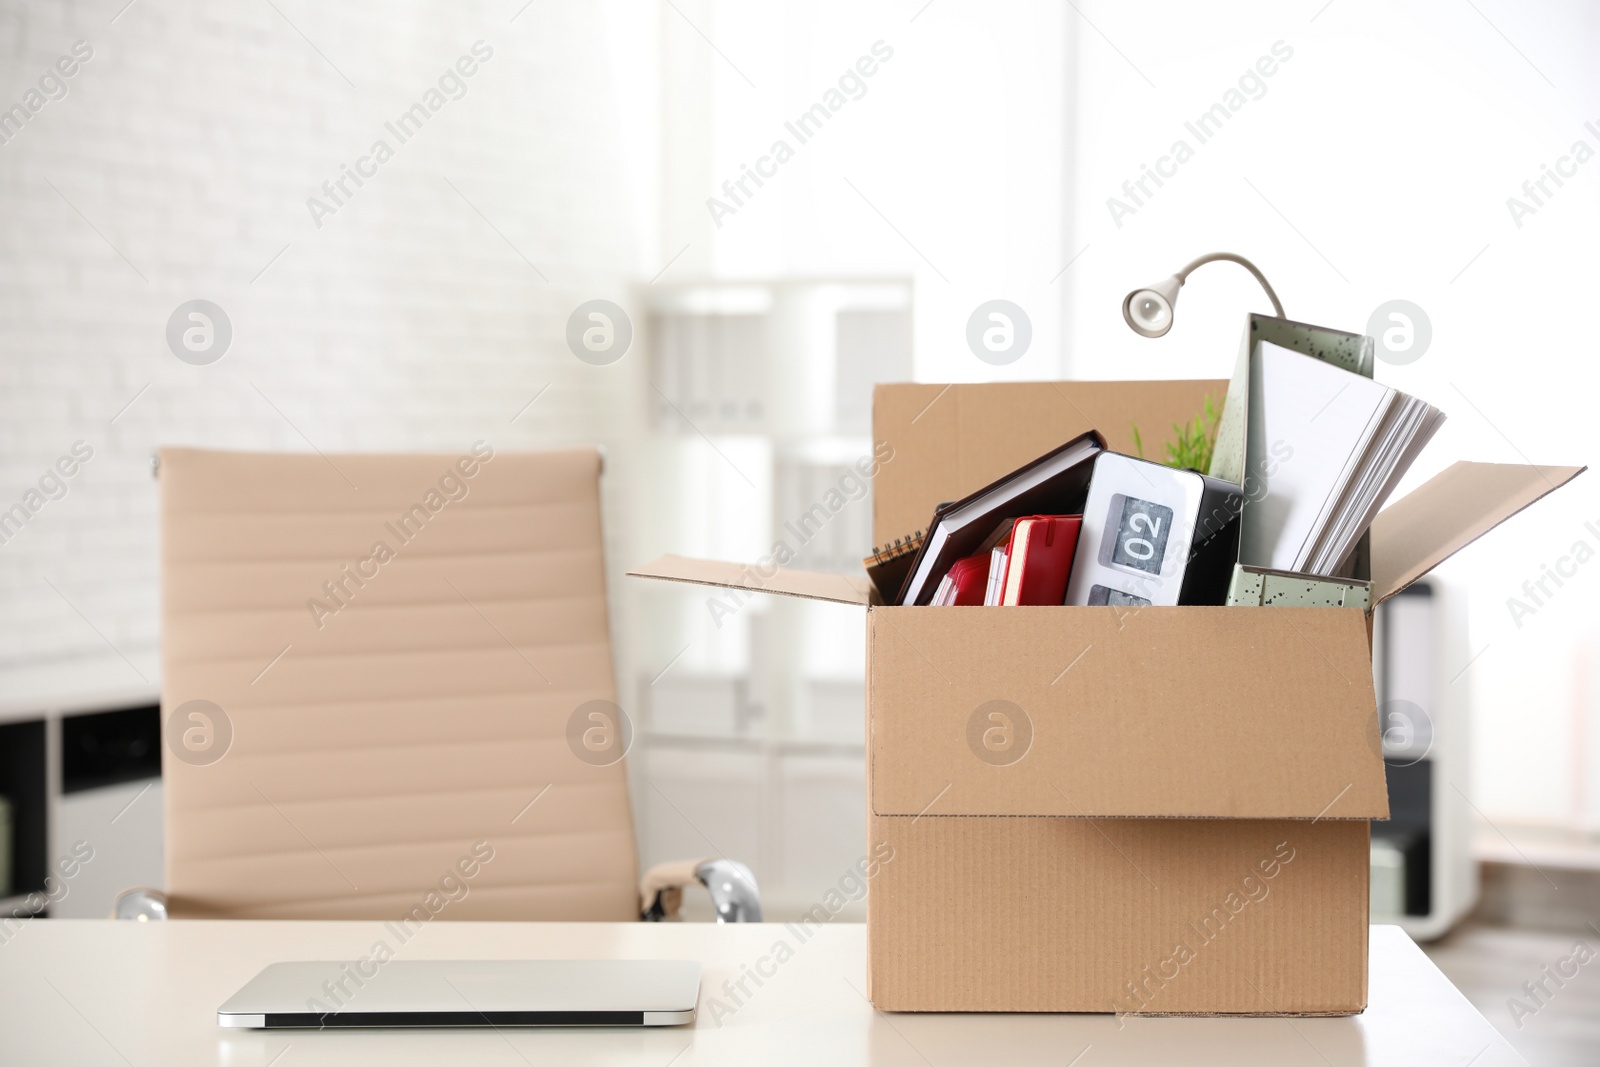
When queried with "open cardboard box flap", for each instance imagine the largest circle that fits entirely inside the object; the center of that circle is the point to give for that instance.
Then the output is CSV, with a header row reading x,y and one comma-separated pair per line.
x,y
784,581
1451,510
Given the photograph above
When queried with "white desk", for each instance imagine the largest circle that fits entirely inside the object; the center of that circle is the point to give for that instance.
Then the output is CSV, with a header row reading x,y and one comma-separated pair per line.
x,y
87,992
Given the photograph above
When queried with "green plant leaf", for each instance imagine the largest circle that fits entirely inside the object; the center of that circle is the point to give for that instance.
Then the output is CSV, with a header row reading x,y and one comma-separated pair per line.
x,y
1192,443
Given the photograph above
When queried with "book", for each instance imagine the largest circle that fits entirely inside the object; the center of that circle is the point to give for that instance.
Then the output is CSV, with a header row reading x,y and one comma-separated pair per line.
x,y
1055,483
1329,448
1039,559
996,546
966,583
1153,535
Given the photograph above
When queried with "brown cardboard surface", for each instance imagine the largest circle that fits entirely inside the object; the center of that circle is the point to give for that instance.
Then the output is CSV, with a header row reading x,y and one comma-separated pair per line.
x,y
1190,712
1448,512
950,440
785,581
996,914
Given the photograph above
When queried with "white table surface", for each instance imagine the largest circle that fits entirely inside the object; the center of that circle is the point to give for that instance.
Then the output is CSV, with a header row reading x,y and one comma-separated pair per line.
x,y
87,992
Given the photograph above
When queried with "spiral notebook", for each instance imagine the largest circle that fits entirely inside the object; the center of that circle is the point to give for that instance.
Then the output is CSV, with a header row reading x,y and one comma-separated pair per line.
x,y
889,564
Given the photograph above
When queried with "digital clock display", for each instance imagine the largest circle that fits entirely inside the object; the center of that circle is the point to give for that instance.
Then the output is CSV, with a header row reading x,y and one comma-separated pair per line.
x,y
1103,596
1140,533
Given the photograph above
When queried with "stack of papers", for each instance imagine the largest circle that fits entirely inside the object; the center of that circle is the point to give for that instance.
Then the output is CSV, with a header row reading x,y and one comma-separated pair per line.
x,y
1326,449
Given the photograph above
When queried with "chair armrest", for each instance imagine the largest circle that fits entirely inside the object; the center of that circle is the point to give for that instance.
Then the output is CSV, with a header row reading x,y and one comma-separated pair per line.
x,y
661,889
141,905
733,889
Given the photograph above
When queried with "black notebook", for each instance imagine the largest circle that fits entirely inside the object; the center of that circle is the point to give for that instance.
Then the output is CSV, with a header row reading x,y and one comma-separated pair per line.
x,y
1054,484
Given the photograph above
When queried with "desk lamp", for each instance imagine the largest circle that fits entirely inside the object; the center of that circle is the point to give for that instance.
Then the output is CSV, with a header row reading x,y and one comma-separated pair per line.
x,y
1149,311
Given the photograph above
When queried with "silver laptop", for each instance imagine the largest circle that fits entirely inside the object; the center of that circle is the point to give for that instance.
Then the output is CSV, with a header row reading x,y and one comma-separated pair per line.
x,y
467,993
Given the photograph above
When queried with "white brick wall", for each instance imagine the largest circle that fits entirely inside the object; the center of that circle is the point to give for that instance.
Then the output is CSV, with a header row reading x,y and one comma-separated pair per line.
x,y
191,141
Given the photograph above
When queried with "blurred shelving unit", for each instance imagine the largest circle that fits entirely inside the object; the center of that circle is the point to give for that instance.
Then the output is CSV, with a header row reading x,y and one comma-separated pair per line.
x,y
750,717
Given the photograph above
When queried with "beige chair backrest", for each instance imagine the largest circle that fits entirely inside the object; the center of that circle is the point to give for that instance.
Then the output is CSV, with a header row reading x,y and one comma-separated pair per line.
x,y
398,646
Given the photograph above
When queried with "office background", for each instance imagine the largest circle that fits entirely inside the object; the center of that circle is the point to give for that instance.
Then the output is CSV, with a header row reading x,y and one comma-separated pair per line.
x,y
996,151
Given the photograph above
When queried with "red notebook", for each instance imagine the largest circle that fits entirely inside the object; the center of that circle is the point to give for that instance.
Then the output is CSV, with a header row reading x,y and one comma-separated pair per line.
x,y
1040,559
965,583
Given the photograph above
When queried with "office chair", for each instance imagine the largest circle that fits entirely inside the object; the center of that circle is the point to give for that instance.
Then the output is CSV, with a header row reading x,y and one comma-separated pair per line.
x,y
387,691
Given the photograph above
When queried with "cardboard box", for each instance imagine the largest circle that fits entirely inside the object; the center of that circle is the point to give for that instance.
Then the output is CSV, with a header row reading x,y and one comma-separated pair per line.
x,y
1101,809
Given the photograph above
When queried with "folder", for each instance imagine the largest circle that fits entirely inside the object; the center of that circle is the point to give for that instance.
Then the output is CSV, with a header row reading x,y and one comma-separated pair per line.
x,y
1352,352
1237,455
1262,587
1039,560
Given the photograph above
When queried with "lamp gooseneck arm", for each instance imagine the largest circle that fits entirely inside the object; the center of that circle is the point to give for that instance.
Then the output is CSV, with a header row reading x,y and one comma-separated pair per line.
x,y
1212,257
